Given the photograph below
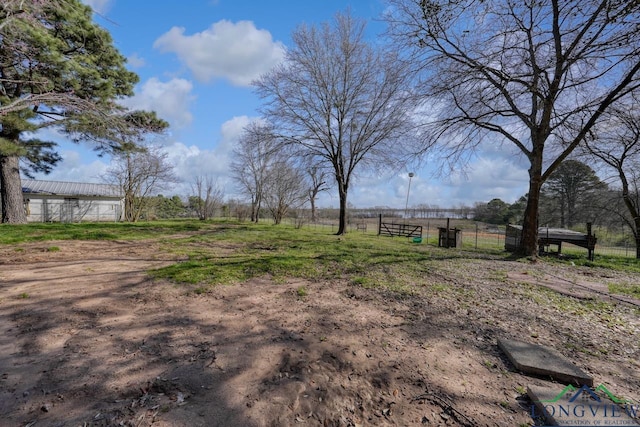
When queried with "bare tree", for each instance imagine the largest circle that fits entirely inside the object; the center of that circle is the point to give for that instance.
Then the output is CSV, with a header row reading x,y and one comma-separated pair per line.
x,y
317,183
255,152
617,144
207,196
140,174
339,100
536,75
285,189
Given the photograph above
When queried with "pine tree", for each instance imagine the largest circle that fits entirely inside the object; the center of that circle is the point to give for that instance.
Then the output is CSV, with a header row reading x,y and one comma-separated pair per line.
x,y
59,69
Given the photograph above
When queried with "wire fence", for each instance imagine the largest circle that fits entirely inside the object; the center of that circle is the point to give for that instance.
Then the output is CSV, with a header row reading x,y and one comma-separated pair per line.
x,y
480,236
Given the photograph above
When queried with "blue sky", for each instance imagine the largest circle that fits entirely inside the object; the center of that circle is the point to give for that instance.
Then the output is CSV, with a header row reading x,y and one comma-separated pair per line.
x,y
196,58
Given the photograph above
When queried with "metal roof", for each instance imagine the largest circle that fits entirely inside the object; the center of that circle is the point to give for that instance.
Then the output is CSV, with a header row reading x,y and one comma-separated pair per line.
x,y
60,188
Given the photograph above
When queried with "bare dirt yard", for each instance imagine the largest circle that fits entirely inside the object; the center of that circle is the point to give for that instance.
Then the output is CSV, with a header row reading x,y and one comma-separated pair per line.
x,y
88,339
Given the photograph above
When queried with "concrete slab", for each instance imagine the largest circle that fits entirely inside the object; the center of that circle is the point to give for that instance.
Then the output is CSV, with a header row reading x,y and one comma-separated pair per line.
x,y
583,406
542,361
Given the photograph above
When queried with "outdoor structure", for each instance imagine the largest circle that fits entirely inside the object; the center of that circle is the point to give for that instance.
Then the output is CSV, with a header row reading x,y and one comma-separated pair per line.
x,y
399,229
552,236
56,201
449,237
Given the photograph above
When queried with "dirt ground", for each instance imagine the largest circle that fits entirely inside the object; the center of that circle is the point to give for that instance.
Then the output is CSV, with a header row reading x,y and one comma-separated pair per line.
x,y
88,339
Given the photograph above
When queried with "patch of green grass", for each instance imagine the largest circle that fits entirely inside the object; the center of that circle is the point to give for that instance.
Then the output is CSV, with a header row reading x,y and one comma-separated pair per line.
x,y
440,288
53,249
360,281
302,291
609,262
284,251
36,232
202,272
548,297
594,309
23,295
632,290
499,275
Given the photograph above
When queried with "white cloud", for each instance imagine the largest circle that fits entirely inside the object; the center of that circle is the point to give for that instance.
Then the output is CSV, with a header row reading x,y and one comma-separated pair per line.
x,y
190,160
487,179
73,168
238,52
98,6
170,100
230,133
136,61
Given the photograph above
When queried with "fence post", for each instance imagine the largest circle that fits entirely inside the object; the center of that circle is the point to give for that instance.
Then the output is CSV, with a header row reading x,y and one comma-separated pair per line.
x,y
589,248
626,245
476,236
447,244
427,231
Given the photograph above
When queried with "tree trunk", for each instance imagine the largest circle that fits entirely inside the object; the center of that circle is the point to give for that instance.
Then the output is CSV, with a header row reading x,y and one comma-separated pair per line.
x,y
256,202
253,211
529,246
562,215
636,234
312,201
342,225
571,212
257,211
631,207
13,211
129,207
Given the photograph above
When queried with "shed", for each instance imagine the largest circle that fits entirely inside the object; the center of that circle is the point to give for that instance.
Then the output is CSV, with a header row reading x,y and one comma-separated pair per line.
x,y
58,201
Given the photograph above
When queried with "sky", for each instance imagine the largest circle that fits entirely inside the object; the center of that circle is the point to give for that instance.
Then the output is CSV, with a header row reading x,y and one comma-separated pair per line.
x,y
196,60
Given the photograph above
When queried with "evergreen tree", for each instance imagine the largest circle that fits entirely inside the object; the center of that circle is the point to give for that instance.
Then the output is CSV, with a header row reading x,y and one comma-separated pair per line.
x,y
59,69
494,212
573,189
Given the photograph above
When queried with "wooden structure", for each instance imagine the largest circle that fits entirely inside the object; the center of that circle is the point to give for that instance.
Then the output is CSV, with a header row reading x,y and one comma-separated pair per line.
x,y
57,201
449,237
394,229
552,236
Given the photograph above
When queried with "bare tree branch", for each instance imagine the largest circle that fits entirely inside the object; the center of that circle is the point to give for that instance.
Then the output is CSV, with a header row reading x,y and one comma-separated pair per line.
x,y
616,143
140,174
340,101
535,75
